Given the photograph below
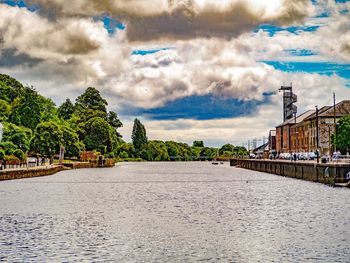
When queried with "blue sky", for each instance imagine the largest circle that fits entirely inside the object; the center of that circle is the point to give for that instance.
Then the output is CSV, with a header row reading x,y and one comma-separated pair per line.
x,y
165,70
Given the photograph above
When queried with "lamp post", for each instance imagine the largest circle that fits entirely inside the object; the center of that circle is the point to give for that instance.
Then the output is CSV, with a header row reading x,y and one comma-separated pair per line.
x,y
317,144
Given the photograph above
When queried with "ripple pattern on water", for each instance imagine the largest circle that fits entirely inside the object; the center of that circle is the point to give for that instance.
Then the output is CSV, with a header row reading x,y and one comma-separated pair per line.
x,y
172,212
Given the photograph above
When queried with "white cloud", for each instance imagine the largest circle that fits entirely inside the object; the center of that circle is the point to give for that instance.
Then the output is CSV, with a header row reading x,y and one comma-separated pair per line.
x,y
75,52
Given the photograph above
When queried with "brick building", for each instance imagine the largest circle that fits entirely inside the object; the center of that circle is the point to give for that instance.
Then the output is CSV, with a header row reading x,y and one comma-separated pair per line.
x,y
300,134
325,126
285,132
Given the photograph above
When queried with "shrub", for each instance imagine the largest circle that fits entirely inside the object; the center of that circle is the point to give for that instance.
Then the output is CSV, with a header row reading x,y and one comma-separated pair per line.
x,y
2,155
19,154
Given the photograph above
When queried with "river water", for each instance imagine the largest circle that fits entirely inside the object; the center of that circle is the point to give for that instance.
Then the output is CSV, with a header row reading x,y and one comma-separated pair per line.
x,y
172,212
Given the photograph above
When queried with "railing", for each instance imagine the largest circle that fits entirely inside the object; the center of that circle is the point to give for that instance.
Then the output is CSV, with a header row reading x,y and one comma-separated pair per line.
x,y
341,159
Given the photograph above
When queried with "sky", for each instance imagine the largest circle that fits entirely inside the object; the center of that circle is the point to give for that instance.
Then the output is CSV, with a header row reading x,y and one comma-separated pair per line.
x,y
189,69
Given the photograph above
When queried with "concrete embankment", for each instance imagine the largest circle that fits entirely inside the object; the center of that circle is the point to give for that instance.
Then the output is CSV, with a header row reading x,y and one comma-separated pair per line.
x,y
31,172
44,171
328,173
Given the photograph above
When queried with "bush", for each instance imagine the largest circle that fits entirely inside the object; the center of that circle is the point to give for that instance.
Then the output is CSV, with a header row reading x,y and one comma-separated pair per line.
x,y
2,155
11,158
8,147
19,154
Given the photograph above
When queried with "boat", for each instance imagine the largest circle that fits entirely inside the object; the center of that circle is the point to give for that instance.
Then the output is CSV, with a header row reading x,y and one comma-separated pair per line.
x,y
215,163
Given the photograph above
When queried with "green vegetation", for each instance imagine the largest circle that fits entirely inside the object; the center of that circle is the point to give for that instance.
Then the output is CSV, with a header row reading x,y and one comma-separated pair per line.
x,y
34,126
342,140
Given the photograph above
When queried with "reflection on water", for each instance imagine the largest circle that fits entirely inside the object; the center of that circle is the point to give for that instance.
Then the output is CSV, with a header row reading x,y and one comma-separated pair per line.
x,y
172,212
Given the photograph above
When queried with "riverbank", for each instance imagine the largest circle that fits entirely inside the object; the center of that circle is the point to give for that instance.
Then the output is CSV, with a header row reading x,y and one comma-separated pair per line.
x,y
329,173
22,173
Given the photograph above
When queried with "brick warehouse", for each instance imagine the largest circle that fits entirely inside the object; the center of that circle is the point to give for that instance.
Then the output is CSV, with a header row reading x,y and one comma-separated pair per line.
x,y
300,135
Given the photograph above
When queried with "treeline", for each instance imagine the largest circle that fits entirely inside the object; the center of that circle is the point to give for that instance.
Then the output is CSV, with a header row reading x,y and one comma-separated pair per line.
x,y
33,125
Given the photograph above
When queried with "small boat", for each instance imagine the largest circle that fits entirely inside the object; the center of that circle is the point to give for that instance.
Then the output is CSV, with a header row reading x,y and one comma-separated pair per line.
x,y
215,163
222,162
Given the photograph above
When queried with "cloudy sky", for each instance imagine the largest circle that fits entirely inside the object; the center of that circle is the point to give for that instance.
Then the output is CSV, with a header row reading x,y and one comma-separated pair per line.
x,y
189,69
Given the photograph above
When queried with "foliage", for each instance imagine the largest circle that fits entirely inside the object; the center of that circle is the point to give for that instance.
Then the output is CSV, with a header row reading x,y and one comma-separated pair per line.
x,y
47,139
342,140
99,135
208,152
19,154
11,158
125,150
2,155
8,147
66,110
228,150
157,151
91,99
198,144
19,136
73,146
138,136
5,110
113,120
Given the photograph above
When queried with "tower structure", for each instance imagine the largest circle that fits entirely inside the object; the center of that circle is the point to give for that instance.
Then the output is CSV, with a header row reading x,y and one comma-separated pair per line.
x,y
289,98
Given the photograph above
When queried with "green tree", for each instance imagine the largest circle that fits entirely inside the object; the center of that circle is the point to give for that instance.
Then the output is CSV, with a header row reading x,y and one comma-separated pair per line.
x,y
198,144
66,110
73,146
19,154
138,136
228,149
5,110
125,150
157,151
342,140
31,109
19,136
8,147
99,135
47,139
92,99
113,120
10,88
2,155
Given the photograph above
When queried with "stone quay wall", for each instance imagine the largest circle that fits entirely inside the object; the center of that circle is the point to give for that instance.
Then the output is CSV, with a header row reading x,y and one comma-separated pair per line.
x,y
328,173
44,171
28,173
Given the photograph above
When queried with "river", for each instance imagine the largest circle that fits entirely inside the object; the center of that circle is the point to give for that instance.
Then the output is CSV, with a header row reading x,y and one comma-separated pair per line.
x,y
172,212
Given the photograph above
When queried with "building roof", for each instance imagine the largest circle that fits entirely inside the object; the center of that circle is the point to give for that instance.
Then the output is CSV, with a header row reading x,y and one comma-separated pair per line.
x,y
298,119
342,108
320,111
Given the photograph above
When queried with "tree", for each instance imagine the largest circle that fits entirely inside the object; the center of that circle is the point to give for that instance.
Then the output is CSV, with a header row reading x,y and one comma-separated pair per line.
x,y
92,99
157,151
47,139
2,155
99,135
198,144
66,110
113,120
8,147
19,136
125,150
342,139
5,110
71,143
138,136
228,149
31,108
19,154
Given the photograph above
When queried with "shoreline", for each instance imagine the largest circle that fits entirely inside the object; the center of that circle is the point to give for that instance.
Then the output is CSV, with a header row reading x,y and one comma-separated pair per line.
x,y
334,174
13,174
